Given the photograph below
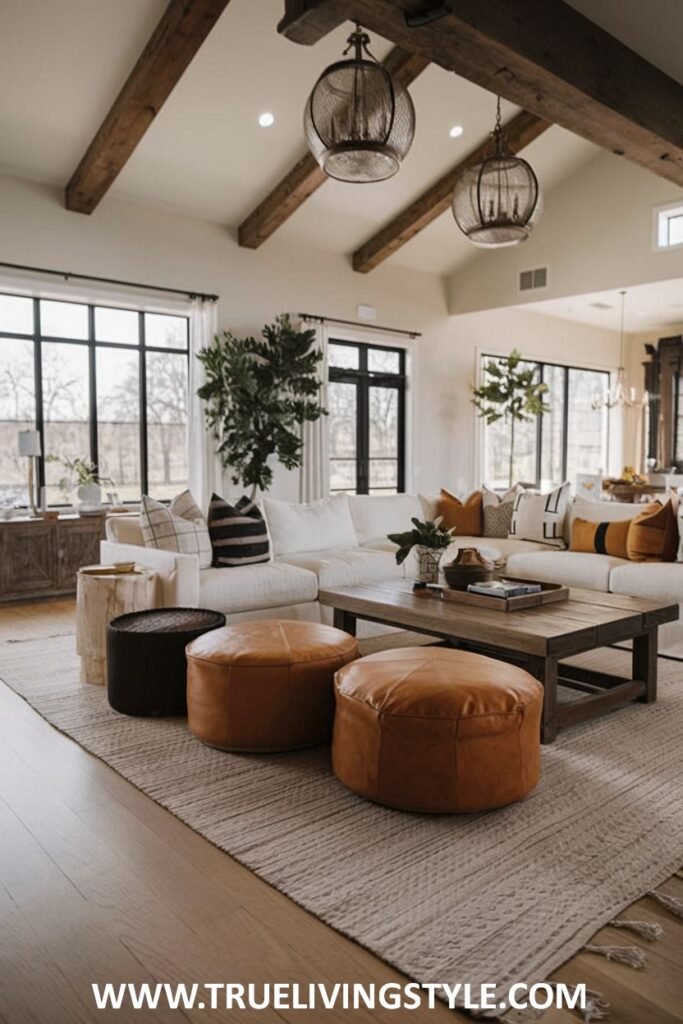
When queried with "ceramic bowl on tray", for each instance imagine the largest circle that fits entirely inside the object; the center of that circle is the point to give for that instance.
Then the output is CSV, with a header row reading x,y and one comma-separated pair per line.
x,y
469,566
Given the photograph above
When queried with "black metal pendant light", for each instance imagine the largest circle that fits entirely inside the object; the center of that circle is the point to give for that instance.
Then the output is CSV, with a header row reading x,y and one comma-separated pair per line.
x,y
498,202
359,121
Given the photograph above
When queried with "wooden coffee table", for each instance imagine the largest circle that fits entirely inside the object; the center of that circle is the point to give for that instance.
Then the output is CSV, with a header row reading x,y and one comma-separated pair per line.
x,y
536,638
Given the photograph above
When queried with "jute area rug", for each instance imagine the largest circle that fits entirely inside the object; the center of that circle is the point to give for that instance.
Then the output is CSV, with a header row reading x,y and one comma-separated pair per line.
x,y
505,896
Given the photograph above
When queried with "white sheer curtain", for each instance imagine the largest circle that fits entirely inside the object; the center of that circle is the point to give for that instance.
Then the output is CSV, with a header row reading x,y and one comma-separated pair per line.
x,y
315,469
205,473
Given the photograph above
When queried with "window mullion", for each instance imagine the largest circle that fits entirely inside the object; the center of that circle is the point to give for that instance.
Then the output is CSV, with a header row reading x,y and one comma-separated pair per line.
x,y
92,376
143,405
38,386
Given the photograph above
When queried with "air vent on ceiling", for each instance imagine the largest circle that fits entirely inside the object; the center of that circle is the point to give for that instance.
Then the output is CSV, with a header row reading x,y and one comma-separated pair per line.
x,y
600,305
531,279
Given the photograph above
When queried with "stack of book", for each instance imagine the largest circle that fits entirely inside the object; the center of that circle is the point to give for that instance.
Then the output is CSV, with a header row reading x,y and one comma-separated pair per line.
x,y
504,588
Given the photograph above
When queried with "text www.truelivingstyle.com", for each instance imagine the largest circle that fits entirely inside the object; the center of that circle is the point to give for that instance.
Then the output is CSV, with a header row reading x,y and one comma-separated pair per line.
x,y
342,995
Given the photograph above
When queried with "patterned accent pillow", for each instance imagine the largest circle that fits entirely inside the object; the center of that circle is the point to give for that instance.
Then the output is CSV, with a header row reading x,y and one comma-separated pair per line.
x,y
179,527
541,517
497,510
239,535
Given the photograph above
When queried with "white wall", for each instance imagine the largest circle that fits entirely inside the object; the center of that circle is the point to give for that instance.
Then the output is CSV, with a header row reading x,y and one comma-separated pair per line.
x,y
595,234
454,358
144,244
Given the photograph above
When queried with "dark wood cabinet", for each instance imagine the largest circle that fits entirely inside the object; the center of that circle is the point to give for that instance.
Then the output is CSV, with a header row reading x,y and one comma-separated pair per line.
x,y
41,559
664,386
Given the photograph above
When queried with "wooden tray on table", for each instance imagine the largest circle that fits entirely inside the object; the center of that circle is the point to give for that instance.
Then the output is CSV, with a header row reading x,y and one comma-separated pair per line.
x,y
549,594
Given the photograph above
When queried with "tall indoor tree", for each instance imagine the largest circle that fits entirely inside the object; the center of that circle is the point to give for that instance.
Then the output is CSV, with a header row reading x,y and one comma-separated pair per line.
x,y
512,392
258,394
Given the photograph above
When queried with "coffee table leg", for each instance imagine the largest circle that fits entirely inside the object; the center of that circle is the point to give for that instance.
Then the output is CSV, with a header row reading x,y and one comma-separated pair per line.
x,y
644,662
344,620
545,670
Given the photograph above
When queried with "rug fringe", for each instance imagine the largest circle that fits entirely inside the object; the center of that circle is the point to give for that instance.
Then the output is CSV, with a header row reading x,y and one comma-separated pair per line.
x,y
596,1008
648,930
672,903
631,955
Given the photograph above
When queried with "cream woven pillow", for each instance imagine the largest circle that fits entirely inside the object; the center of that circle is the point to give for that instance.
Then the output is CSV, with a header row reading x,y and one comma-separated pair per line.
x,y
179,527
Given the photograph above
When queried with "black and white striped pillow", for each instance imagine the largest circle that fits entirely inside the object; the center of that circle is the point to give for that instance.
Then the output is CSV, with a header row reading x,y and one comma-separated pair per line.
x,y
238,533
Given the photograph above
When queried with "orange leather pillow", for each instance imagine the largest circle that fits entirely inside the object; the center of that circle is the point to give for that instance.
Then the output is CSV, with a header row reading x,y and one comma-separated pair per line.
x,y
467,517
653,534
600,538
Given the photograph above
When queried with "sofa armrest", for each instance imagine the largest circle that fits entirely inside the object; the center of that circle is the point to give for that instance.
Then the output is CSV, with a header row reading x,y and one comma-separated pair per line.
x,y
178,574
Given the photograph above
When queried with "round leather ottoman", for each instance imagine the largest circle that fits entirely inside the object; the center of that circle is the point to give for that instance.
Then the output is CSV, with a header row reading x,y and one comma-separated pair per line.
x,y
437,730
266,685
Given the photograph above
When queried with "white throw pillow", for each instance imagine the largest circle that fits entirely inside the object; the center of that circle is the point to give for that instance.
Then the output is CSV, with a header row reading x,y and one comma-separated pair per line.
x,y
179,527
541,517
322,524
376,515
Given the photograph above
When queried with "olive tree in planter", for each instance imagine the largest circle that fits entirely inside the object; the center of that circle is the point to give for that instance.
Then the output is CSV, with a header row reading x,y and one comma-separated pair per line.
x,y
510,393
258,394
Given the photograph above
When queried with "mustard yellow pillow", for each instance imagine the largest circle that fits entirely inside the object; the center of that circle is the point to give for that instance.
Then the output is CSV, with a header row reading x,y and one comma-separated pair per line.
x,y
600,538
653,534
466,516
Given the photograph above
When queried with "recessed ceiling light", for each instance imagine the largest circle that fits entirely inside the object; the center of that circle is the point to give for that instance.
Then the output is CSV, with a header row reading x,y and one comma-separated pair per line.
x,y
456,131
266,120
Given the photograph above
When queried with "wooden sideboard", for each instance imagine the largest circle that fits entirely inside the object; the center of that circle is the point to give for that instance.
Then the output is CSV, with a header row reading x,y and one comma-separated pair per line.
x,y
40,558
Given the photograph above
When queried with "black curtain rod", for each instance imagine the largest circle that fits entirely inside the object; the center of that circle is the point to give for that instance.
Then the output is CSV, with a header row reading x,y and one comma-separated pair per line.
x,y
67,275
357,323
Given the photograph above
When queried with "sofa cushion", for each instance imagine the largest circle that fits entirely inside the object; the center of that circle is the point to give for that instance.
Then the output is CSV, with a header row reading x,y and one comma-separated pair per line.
x,y
541,517
238,533
124,529
345,567
376,515
249,587
497,511
321,524
656,581
573,568
653,534
600,538
465,516
601,511
179,527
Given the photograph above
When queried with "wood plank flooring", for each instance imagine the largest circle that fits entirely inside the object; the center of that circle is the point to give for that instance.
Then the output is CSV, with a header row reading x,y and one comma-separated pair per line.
x,y
99,883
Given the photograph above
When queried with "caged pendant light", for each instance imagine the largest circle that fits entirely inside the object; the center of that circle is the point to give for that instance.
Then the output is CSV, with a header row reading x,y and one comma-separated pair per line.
x,y
359,121
498,202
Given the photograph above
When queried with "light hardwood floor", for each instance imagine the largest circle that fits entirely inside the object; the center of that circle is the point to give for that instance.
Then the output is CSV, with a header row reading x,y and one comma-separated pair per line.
x,y
99,883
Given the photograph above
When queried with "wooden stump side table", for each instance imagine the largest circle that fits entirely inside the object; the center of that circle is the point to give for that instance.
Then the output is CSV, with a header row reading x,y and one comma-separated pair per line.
x,y
99,600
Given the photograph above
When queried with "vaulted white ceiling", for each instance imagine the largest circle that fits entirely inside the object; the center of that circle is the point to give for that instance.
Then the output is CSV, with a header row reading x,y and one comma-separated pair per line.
x,y
62,63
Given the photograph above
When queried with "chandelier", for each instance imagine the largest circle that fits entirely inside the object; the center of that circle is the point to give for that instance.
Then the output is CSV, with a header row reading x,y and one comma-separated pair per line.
x,y
618,396
498,202
359,121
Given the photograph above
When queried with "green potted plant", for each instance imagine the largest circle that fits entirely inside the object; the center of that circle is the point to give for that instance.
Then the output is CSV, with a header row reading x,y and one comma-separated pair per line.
x,y
512,394
430,542
258,394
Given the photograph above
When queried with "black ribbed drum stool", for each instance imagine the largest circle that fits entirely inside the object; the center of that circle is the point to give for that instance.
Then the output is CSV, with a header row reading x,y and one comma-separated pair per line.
x,y
146,667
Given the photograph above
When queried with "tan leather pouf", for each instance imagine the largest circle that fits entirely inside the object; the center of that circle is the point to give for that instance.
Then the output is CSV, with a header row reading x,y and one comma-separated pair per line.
x,y
265,685
439,730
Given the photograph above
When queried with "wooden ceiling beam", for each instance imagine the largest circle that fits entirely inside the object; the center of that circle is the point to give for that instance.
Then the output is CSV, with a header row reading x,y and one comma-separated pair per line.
x,y
307,176
519,132
181,31
539,54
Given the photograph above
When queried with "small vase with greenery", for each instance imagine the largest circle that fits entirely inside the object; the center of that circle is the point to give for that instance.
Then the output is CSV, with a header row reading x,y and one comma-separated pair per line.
x,y
82,474
430,542
511,393
258,395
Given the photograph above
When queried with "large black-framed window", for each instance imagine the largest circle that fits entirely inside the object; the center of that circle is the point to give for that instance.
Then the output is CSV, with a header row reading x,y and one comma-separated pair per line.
x,y
367,418
99,382
571,439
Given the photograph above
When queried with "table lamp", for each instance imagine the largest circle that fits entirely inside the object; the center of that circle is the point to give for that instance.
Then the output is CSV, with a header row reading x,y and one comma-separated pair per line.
x,y
29,446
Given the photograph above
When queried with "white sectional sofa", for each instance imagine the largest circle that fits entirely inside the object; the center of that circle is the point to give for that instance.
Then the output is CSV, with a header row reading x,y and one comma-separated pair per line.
x,y
349,545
